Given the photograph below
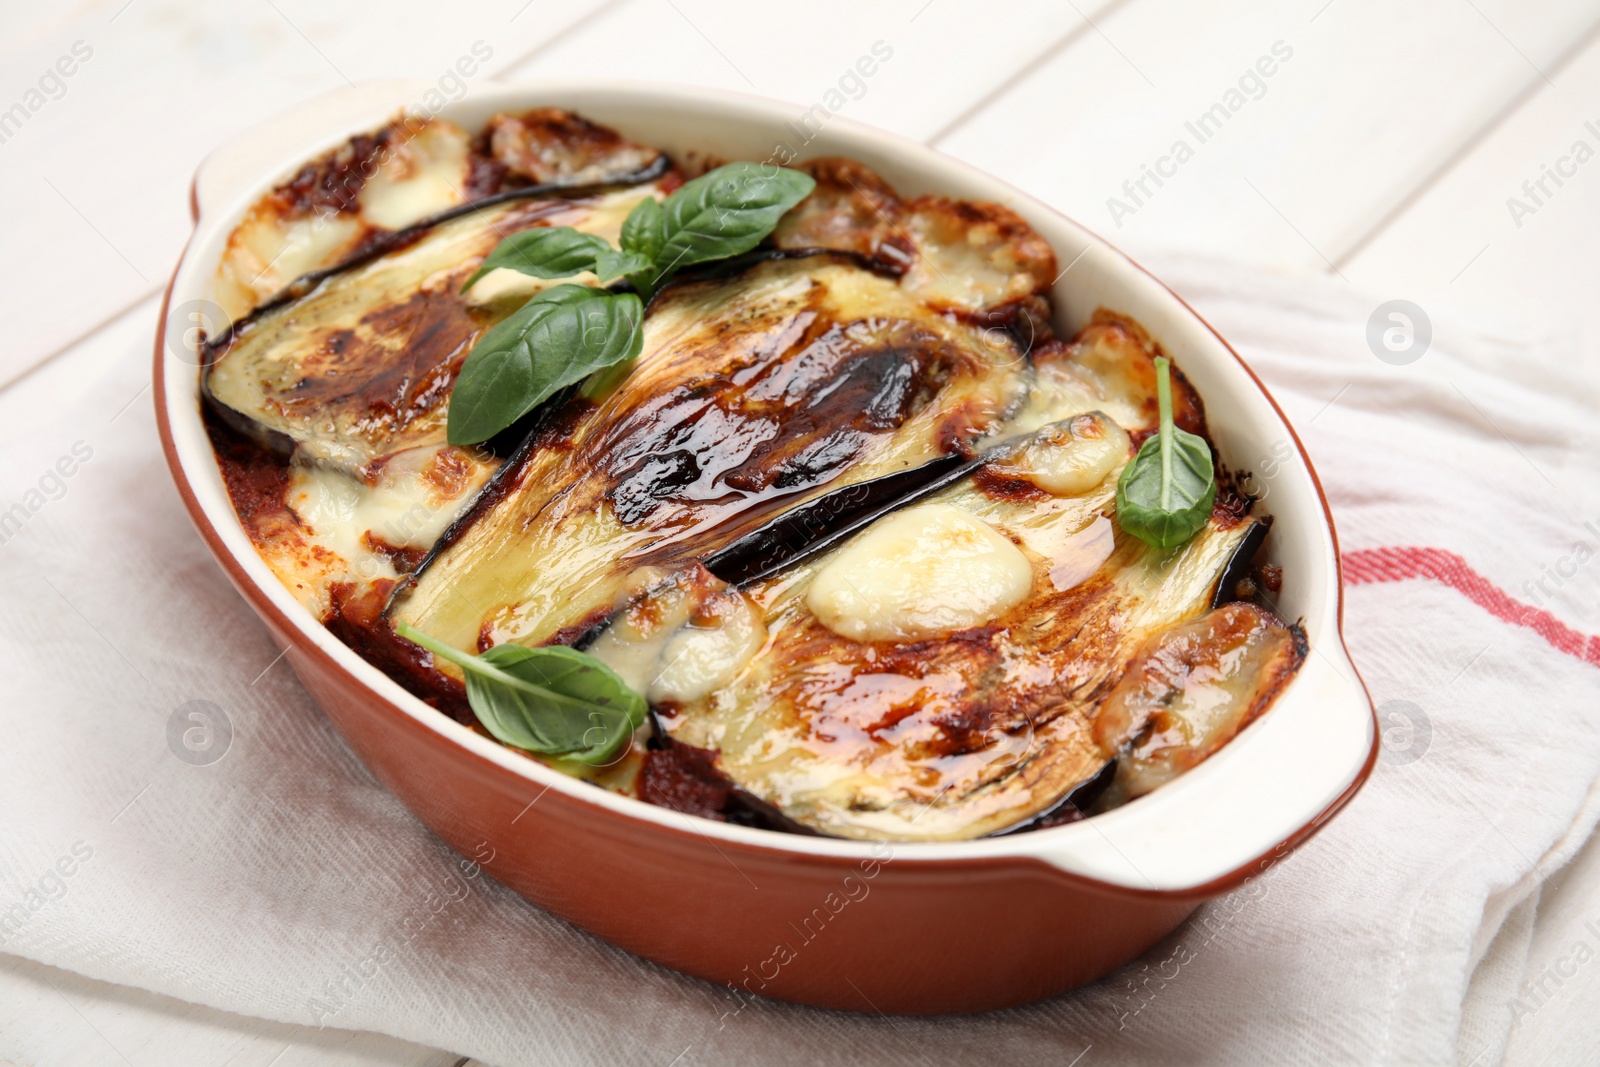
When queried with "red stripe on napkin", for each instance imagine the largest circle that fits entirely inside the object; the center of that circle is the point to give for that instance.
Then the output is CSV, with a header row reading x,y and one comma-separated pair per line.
x,y
1398,564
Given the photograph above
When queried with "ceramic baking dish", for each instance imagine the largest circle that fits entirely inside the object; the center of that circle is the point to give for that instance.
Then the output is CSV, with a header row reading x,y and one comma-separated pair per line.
x,y
893,928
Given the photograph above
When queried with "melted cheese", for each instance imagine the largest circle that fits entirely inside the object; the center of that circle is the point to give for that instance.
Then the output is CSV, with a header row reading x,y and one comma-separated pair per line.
x,y
267,252
924,572
422,175
421,172
1070,458
403,505
347,523
513,288
676,646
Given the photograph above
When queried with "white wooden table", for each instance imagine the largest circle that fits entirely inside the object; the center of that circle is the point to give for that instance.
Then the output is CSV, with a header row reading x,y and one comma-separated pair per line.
x,y
1384,147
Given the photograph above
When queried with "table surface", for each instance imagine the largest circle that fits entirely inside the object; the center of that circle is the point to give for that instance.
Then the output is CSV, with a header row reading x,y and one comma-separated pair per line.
x,y
1425,150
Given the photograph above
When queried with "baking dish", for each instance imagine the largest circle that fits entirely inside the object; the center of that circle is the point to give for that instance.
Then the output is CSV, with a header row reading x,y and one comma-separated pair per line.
x,y
872,927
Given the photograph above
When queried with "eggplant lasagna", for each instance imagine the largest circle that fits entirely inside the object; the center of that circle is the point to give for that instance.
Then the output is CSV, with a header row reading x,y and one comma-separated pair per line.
x,y
848,522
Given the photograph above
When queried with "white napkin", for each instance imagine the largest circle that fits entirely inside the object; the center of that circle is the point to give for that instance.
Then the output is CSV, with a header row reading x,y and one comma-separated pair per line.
x,y
258,883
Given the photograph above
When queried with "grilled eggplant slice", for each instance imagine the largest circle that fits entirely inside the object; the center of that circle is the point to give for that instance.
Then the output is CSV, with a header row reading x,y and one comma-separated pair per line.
x,y
361,365
935,678
349,383
1110,365
752,394
937,674
964,256
1189,691
549,146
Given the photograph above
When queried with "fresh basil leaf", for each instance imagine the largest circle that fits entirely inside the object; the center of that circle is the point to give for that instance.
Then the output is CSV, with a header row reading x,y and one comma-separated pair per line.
x,y
724,213
609,265
566,702
561,336
642,234
543,252
566,333
1164,496
556,701
643,229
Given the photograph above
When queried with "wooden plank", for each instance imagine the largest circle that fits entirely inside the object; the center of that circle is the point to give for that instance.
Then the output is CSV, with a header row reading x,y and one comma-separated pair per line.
x,y
52,1017
1366,98
1504,228
200,75
942,55
36,403
98,173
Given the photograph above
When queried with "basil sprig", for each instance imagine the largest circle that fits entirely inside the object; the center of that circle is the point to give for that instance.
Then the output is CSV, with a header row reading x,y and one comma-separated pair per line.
x,y
1165,495
564,338
556,701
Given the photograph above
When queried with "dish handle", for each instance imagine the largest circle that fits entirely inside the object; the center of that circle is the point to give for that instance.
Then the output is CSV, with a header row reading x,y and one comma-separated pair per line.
x,y
1248,806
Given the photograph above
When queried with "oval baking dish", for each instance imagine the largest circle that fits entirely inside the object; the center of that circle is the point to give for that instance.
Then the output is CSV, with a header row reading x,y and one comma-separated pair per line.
x,y
952,926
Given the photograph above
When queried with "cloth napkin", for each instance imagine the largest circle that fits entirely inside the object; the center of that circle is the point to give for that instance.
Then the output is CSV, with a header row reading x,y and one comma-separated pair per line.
x,y
1464,485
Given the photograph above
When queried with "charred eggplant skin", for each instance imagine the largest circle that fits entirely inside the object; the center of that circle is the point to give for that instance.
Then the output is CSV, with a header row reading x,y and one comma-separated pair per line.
x,y
817,525
1073,807
1239,566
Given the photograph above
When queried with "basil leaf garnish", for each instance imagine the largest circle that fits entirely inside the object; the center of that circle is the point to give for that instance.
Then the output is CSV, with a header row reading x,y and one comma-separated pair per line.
x,y
1165,495
543,252
556,700
642,233
724,213
644,229
609,264
560,336
568,332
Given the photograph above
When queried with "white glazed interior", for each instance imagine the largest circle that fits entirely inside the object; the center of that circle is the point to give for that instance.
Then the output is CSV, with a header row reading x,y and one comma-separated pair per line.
x,y
1262,789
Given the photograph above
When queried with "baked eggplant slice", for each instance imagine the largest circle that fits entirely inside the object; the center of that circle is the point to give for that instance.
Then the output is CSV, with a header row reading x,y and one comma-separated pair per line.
x,y
360,366
1109,366
937,676
547,146
753,393
969,257
936,672
1189,691
347,380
